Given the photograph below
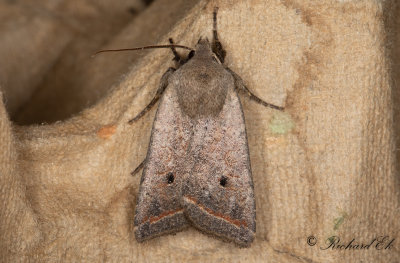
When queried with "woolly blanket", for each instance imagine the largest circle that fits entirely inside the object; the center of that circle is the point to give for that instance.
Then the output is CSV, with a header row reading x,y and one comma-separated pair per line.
x,y
324,170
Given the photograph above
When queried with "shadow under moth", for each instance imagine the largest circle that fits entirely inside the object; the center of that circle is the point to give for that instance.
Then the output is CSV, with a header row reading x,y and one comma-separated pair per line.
x,y
197,169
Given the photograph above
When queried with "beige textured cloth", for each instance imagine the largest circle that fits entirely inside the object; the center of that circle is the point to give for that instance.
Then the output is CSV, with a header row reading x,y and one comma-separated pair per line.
x,y
325,167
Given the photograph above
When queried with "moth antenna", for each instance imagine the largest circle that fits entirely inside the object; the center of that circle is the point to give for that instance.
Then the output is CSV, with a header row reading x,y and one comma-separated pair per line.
x,y
215,33
141,48
216,44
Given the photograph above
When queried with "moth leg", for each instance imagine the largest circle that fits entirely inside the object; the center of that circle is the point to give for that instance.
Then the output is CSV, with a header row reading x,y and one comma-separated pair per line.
x,y
216,45
180,60
177,57
239,84
137,169
161,89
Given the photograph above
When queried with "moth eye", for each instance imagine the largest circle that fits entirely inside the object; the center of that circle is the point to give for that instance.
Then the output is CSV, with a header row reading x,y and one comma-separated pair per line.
x,y
170,178
223,181
191,54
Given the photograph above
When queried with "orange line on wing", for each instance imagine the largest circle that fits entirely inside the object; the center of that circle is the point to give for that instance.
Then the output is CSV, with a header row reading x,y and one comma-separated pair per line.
x,y
162,215
235,222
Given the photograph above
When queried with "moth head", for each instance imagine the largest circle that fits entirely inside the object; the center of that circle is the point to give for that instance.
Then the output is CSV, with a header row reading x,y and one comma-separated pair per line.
x,y
203,49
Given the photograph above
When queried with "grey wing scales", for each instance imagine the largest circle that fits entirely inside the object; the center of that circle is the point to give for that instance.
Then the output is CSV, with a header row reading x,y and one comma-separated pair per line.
x,y
159,207
218,193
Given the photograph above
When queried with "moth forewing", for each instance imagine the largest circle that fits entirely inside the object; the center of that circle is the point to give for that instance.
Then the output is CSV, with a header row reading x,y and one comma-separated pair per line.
x,y
218,192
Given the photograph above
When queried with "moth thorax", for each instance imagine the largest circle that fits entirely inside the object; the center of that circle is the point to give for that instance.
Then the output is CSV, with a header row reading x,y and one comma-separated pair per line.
x,y
203,94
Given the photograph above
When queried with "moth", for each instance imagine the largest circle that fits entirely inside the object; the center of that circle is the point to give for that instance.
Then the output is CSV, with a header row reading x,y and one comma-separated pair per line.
x,y
197,169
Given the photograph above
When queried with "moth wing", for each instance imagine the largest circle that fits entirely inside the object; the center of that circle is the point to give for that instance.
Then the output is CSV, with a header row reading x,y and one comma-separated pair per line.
x,y
159,207
218,193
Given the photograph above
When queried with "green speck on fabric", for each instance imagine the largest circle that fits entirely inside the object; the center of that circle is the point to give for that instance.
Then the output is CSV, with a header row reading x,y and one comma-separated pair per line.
x,y
281,123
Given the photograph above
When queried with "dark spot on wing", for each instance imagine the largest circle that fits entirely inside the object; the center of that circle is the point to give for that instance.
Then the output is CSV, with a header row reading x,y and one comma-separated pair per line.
x,y
223,181
170,178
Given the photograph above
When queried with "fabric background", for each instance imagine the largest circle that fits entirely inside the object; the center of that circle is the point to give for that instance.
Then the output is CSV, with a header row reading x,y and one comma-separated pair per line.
x,y
325,167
